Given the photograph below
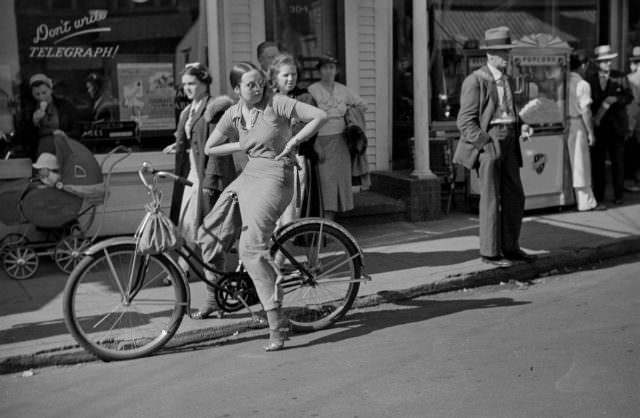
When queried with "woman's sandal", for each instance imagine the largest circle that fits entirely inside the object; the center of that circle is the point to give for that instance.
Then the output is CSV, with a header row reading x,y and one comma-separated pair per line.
x,y
277,337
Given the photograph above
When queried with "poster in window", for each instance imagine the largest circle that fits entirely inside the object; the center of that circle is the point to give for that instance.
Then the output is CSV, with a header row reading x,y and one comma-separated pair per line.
x,y
146,93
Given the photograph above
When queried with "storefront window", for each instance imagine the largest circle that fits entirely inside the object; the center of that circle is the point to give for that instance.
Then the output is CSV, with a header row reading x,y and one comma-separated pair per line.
x,y
113,60
633,37
458,26
307,29
402,84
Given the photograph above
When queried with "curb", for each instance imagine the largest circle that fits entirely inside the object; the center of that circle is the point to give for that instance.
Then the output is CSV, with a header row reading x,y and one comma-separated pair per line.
x,y
559,261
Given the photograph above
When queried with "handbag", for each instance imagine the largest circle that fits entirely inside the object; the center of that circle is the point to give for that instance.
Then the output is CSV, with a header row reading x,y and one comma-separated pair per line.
x,y
156,233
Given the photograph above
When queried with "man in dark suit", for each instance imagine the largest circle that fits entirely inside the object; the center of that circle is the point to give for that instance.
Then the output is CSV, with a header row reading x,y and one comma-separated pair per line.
x,y
489,143
611,95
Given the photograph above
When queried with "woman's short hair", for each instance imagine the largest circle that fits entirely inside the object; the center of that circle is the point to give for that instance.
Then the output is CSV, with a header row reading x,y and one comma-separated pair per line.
x,y
199,71
577,59
279,61
238,70
96,80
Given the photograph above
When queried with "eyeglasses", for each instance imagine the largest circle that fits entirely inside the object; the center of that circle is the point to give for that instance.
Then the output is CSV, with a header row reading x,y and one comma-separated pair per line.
x,y
258,85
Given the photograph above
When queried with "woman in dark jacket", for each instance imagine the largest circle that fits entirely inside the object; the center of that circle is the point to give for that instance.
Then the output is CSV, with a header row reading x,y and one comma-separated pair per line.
x,y
45,116
210,175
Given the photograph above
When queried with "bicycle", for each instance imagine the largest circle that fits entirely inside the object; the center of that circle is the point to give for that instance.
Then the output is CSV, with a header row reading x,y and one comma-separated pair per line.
x,y
117,307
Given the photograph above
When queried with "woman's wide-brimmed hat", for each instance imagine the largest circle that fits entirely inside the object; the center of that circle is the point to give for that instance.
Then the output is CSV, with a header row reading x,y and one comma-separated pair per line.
x,y
326,59
635,54
604,53
497,38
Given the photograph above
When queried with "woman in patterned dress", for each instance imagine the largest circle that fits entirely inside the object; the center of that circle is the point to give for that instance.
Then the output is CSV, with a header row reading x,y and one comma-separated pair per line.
x,y
334,160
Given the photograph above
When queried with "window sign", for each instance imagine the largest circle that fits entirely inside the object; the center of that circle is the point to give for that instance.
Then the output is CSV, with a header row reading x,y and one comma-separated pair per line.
x,y
47,37
111,62
147,94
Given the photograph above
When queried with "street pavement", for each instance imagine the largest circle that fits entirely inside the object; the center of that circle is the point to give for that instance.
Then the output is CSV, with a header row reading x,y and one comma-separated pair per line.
x,y
404,260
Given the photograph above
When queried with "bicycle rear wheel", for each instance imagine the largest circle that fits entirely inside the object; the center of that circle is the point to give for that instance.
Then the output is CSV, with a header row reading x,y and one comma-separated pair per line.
x,y
116,305
315,301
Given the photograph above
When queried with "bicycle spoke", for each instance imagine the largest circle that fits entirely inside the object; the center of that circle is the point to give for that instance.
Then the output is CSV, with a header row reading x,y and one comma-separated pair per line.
x,y
114,274
114,323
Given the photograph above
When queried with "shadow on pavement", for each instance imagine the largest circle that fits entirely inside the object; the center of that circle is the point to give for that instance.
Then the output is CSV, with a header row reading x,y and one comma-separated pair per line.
x,y
362,323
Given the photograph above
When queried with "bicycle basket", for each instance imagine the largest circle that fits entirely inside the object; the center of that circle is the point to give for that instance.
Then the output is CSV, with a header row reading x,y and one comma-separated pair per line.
x,y
156,233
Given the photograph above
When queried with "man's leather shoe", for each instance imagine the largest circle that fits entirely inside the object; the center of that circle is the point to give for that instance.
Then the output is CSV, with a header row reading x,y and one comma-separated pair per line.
x,y
497,261
519,255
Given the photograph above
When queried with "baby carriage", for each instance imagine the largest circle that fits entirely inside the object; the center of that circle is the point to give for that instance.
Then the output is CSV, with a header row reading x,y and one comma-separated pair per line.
x,y
62,214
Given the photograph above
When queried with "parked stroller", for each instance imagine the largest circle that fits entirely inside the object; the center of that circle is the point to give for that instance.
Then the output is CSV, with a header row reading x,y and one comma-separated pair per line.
x,y
62,214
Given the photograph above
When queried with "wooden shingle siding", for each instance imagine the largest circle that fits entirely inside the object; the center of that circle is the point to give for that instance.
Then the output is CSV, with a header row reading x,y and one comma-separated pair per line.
x,y
240,30
367,75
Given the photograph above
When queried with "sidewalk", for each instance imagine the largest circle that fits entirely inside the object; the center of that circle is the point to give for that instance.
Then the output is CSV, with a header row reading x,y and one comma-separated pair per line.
x,y
404,260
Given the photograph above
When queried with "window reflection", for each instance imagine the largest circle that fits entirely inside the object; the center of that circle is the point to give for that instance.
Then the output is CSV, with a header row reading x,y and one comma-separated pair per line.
x,y
306,29
115,61
458,26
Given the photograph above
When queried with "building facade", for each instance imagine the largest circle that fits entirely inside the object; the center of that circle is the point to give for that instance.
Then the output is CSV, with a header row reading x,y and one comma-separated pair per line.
x,y
405,58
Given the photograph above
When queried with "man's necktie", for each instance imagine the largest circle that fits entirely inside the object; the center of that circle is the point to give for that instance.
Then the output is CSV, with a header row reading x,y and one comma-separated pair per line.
x,y
603,81
505,96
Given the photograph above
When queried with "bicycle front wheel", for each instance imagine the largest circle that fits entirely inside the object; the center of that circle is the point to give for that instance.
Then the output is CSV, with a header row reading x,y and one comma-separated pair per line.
x,y
117,304
321,270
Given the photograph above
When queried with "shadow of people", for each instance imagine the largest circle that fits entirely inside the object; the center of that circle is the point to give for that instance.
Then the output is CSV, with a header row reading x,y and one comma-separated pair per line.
x,y
362,323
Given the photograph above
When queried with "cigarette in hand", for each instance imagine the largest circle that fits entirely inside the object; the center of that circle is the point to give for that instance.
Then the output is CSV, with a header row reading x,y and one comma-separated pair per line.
x,y
43,105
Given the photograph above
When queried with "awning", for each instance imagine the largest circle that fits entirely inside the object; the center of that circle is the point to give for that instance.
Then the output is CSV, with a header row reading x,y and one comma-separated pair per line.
x,y
459,26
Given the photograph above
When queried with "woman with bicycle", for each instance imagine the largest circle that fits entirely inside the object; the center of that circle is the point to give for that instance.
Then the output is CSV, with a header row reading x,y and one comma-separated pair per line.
x,y
260,125
208,175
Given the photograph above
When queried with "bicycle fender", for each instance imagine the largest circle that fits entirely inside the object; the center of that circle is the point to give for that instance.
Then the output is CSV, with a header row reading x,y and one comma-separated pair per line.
x,y
324,221
93,249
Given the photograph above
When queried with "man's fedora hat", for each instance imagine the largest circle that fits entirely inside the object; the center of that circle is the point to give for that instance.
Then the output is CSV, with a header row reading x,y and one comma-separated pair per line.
x,y
497,38
635,54
604,53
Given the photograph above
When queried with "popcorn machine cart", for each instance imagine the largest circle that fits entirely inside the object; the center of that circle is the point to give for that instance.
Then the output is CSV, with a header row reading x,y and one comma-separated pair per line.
x,y
540,66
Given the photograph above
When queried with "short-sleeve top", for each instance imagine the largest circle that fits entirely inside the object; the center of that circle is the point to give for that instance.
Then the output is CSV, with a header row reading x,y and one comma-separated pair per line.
x,y
579,95
335,104
270,131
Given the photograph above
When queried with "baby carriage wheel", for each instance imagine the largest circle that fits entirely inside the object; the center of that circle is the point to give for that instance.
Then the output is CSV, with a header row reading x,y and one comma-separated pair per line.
x,y
13,238
68,252
19,262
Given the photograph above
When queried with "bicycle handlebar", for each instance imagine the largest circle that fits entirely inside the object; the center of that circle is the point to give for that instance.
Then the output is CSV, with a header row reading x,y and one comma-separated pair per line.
x,y
148,168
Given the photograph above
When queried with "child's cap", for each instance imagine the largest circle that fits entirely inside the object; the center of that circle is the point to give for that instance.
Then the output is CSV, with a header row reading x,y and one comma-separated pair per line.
x,y
47,160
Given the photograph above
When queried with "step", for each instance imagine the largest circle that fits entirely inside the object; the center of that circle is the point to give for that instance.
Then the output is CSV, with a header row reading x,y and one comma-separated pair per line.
x,y
371,207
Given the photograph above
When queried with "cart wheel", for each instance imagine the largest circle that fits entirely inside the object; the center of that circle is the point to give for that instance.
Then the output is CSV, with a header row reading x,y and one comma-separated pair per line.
x,y
19,262
68,252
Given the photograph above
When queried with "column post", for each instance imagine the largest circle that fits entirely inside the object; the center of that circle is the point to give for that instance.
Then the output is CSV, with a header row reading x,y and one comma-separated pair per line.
x,y
421,111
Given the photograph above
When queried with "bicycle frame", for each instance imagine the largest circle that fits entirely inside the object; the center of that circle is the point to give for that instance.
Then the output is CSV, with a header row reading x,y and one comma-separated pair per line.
x,y
197,264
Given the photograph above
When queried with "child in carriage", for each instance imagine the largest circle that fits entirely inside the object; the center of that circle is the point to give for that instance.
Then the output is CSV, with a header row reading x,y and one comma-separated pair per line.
x,y
48,170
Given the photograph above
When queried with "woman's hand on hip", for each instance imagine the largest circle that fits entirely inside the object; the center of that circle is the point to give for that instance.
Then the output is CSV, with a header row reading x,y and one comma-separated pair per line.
x,y
289,149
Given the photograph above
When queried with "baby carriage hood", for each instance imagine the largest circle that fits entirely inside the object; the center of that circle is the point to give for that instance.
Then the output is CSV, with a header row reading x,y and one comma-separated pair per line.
x,y
79,170
81,179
